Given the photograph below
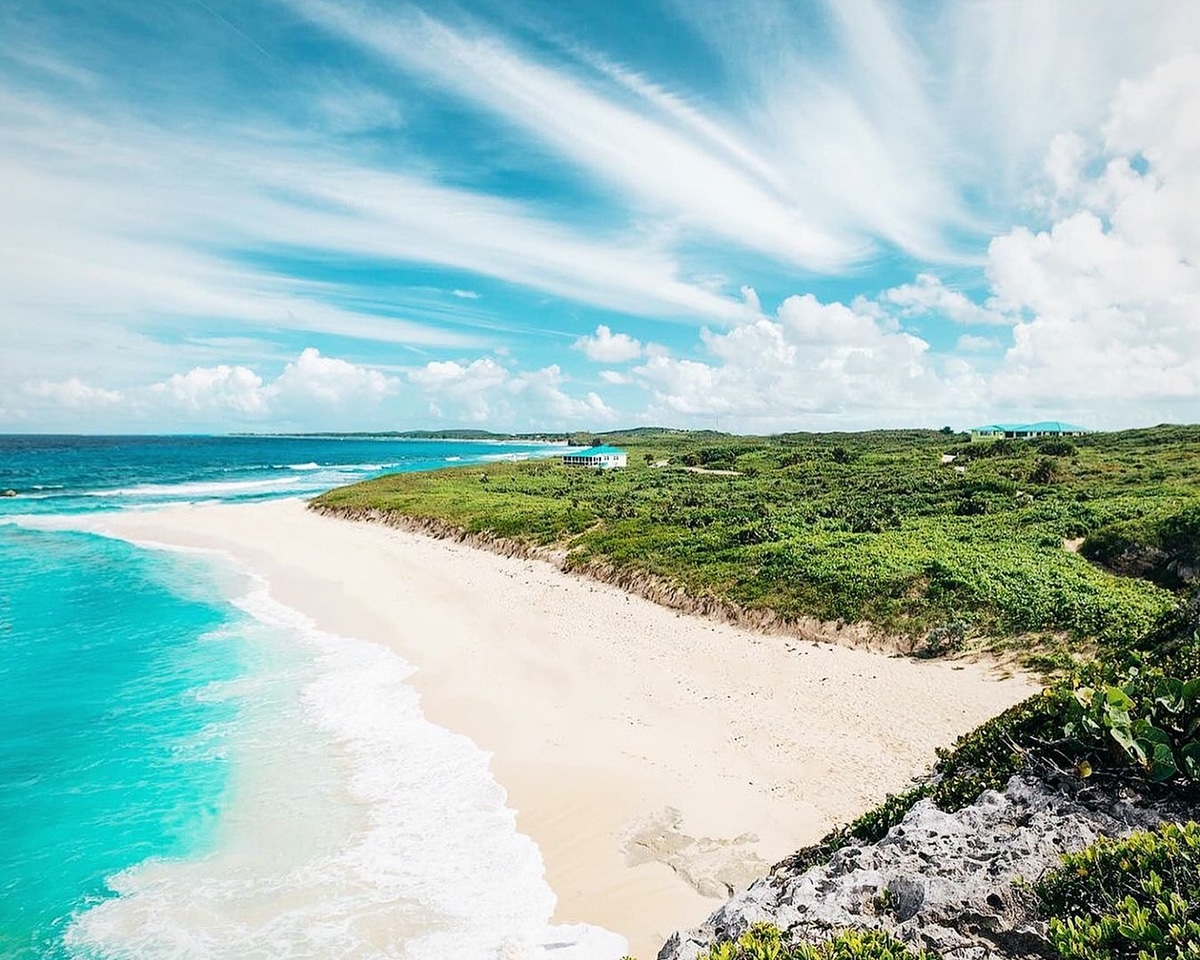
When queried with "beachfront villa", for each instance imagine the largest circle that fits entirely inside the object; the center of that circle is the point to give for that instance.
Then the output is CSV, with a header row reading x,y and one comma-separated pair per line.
x,y
600,458
1024,431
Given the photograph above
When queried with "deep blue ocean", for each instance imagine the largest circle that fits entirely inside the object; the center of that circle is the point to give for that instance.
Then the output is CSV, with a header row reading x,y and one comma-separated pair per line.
x,y
180,771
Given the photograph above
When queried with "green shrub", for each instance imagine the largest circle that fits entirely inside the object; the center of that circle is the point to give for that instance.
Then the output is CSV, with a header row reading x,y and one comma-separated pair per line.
x,y
1144,719
1180,656
1161,547
1057,447
1046,470
1132,899
765,942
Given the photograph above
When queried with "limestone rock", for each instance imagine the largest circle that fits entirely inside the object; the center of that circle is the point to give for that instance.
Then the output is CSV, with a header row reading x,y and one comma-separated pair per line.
x,y
946,881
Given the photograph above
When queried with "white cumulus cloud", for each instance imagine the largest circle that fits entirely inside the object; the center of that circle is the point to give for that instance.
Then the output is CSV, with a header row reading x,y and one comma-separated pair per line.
x,y
308,389
927,295
811,361
329,381
209,390
484,391
604,346
72,394
471,389
1111,290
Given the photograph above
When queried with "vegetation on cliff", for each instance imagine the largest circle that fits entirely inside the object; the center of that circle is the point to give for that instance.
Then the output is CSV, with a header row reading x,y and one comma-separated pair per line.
x,y
1131,899
765,942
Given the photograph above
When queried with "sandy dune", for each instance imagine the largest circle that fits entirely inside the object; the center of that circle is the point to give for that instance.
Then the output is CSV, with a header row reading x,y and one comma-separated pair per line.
x,y
657,759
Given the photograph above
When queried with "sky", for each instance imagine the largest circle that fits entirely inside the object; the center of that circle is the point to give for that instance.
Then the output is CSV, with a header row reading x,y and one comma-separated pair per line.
x,y
761,216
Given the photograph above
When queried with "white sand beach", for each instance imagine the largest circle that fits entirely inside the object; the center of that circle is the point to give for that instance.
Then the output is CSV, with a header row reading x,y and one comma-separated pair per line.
x,y
657,759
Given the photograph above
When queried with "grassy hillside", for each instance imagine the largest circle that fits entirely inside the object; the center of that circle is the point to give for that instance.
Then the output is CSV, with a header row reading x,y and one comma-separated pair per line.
x,y
860,527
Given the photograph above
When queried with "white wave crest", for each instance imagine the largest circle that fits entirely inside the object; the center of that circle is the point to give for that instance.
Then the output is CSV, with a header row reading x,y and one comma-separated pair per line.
x,y
358,830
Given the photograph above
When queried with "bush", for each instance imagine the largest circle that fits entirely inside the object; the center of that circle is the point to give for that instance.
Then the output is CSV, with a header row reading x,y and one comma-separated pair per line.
x,y
1143,720
765,942
1044,471
1132,899
1056,447
1164,548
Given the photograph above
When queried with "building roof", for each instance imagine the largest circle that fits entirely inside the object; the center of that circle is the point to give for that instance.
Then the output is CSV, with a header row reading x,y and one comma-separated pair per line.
x,y
595,452
1042,426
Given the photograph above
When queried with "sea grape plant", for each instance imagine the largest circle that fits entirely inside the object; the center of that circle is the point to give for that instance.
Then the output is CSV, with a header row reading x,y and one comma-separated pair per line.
x,y
1153,722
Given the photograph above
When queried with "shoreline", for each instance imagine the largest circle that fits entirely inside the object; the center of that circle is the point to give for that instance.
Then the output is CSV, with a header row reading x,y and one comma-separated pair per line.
x,y
647,586
657,759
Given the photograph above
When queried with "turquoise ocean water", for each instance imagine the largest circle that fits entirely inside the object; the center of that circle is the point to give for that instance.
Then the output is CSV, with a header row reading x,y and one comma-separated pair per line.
x,y
190,770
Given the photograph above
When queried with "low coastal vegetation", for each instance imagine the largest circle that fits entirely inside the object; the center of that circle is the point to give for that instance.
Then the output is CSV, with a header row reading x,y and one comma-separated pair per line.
x,y
1138,897
765,942
1081,554
881,528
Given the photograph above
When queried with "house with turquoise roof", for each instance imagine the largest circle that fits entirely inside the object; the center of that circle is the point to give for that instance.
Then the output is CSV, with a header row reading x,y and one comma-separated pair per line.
x,y
1025,431
600,458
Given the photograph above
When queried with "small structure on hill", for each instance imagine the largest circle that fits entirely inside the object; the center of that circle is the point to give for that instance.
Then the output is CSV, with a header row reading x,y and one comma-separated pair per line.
x,y
1025,431
601,458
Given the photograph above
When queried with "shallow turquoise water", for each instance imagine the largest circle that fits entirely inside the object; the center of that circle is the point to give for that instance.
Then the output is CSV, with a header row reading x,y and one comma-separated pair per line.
x,y
189,770
108,754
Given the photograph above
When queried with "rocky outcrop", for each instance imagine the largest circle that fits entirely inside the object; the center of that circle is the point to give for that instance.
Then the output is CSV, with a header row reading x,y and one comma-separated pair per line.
x,y
638,582
952,882
1153,563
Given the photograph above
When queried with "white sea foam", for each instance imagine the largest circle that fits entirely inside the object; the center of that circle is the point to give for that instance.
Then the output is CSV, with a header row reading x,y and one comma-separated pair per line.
x,y
195,489
357,829
349,467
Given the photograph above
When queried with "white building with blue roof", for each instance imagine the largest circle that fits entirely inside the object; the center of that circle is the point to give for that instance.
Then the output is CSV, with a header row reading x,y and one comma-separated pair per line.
x,y
600,458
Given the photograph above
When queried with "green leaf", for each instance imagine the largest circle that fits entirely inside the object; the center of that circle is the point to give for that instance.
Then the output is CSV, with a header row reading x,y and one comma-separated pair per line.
x,y
1145,730
1189,756
1125,741
1169,693
1117,699
1162,763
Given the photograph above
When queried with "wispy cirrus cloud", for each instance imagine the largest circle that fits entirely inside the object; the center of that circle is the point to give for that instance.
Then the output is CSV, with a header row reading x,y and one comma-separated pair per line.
x,y
661,154
110,220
